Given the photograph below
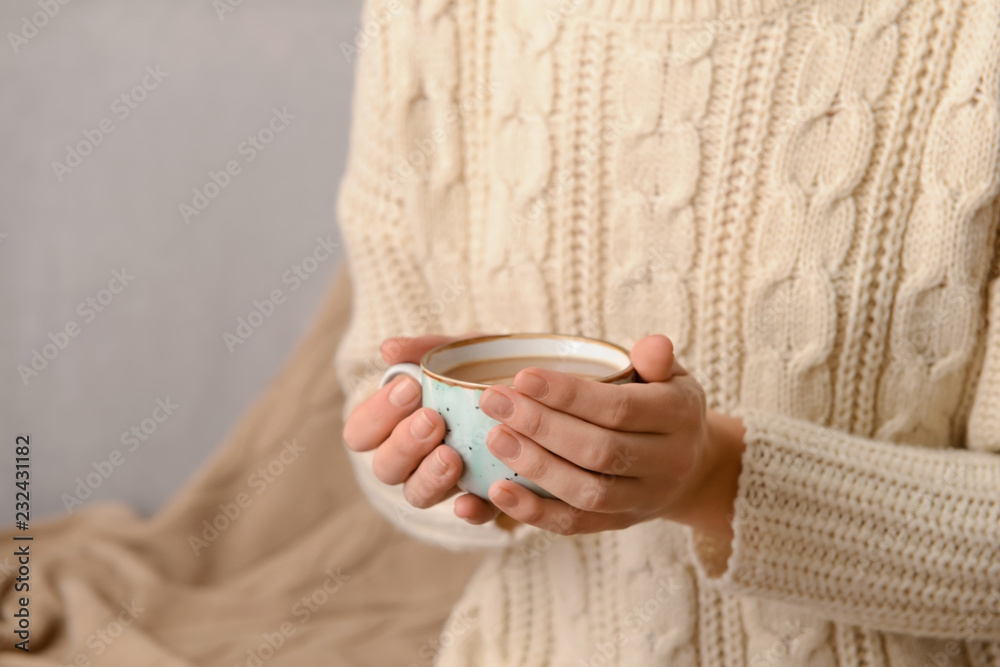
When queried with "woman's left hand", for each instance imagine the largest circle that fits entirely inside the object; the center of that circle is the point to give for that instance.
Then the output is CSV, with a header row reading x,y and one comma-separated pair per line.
x,y
613,455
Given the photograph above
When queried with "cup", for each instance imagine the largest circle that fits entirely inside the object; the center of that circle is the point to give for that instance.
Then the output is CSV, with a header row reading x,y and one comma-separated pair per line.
x,y
453,376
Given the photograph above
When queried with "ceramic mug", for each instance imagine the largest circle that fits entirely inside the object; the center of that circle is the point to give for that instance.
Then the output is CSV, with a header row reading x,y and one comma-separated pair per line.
x,y
457,400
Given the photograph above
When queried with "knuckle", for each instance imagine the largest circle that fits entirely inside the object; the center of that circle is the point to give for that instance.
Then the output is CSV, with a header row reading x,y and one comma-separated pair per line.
x,y
534,514
401,446
406,446
624,460
686,404
568,524
537,469
621,409
601,456
418,493
452,457
534,424
594,497
413,497
408,494
568,392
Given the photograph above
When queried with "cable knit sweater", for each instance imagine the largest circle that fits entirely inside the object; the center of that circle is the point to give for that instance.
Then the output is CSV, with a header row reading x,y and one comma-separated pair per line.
x,y
803,197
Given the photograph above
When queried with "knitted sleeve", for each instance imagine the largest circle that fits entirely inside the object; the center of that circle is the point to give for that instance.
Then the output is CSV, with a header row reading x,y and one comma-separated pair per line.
x,y
898,538
372,217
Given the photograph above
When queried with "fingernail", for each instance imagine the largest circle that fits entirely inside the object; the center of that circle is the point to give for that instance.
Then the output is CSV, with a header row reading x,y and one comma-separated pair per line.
x,y
501,497
441,466
421,426
532,385
391,347
405,392
503,443
496,405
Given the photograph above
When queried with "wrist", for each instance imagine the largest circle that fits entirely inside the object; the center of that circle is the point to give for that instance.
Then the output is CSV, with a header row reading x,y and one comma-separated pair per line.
x,y
709,503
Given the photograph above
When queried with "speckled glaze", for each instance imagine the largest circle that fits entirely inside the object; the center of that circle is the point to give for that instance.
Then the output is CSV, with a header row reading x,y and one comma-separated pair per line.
x,y
458,402
466,429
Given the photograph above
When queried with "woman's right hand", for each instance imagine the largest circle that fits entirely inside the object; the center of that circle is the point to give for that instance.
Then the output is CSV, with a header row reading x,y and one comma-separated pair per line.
x,y
408,439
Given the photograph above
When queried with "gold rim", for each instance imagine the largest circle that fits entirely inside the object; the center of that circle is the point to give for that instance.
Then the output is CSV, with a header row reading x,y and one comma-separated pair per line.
x,y
627,372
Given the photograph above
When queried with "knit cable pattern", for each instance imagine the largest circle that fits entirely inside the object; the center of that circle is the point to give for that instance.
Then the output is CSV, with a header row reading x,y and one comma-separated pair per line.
x,y
805,196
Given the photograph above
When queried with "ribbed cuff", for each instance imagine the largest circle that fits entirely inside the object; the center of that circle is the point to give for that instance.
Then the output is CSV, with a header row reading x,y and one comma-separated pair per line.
x,y
896,537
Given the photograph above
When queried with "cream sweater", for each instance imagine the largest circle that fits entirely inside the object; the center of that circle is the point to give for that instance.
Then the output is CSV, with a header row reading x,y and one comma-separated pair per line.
x,y
803,196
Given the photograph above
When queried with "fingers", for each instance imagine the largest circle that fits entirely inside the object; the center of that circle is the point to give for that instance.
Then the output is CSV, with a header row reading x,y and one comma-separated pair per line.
x,y
401,349
371,422
627,407
552,515
592,447
474,509
413,439
434,479
578,487
636,408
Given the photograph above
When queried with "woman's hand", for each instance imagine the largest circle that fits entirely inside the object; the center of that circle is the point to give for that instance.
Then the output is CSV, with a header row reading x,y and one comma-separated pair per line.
x,y
407,438
615,455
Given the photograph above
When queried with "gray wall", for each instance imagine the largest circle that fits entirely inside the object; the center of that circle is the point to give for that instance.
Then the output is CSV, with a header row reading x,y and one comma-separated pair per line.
x,y
64,234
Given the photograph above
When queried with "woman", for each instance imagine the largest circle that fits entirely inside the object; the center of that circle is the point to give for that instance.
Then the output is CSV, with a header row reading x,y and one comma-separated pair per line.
x,y
788,210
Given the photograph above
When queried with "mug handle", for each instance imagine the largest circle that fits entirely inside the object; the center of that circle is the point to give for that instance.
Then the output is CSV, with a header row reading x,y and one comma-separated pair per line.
x,y
391,373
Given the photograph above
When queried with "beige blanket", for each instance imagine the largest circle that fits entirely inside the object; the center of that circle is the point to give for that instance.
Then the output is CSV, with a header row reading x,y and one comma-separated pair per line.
x,y
296,570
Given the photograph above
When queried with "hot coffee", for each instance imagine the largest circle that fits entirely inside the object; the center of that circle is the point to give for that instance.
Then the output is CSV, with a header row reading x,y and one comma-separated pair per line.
x,y
452,378
504,369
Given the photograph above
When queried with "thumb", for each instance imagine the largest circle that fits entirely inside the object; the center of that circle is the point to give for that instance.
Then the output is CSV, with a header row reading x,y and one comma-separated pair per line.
x,y
653,359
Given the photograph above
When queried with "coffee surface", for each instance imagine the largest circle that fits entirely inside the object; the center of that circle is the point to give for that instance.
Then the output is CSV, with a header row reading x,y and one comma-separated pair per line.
x,y
503,370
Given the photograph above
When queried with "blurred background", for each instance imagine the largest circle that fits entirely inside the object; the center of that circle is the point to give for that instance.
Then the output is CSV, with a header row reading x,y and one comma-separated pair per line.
x,y
165,167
